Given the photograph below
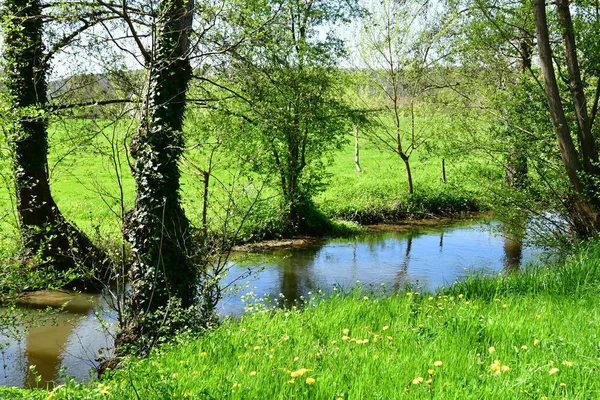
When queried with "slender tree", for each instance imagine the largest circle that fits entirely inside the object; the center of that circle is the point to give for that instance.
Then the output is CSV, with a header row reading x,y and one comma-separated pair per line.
x,y
580,163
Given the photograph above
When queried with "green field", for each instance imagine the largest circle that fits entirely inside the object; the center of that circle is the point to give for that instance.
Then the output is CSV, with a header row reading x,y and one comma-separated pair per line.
x,y
85,157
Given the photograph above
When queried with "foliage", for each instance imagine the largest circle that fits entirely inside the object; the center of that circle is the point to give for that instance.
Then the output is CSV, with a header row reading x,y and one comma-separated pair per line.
x,y
293,114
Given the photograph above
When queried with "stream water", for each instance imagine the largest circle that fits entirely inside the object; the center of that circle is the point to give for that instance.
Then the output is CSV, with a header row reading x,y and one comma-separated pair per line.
x,y
425,255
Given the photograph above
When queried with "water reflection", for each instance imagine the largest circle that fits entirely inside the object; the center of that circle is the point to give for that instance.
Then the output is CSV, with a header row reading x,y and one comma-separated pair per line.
x,y
402,274
513,246
53,343
426,257
296,274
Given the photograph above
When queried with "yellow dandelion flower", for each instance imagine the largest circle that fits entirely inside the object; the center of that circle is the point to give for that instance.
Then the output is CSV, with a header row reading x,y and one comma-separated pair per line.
x,y
562,384
390,338
429,381
505,368
104,389
385,328
365,297
467,302
409,294
310,381
253,373
495,365
203,354
553,371
346,331
524,347
504,305
536,342
460,296
296,358
345,338
430,298
438,363
333,341
256,348
497,300
285,338
492,350
430,371
174,375
299,372
567,363
417,380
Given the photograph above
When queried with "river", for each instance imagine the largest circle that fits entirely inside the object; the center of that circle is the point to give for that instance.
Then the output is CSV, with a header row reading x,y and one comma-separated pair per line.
x,y
423,255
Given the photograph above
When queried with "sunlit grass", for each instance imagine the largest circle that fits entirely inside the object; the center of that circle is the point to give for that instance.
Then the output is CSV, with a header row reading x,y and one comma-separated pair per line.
x,y
85,156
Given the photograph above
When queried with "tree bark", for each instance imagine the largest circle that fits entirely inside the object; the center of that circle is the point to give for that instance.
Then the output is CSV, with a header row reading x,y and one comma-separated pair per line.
x,y
159,230
356,150
44,229
586,139
561,129
408,174
584,215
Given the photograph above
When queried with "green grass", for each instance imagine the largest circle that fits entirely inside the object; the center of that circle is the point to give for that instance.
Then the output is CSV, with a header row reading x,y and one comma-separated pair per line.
x,y
525,336
85,187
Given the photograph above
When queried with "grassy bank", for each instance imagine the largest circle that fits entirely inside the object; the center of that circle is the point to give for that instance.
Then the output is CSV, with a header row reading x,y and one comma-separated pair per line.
x,y
529,336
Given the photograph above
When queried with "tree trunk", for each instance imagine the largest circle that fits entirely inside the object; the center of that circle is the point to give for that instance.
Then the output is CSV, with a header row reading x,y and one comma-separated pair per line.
x,y
443,170
44,230
162,270
586,140
356,150
408,174
584,216
567,149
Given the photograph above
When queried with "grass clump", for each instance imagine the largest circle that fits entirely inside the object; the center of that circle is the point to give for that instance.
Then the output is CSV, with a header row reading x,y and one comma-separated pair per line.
x,y
526,336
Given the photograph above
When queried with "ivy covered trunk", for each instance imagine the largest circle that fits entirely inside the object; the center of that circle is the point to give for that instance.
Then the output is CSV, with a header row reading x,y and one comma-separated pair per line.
x,y
163,275
44,230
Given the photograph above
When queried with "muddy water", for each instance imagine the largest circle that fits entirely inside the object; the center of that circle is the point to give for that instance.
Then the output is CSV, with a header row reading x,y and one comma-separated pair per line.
x,y
427,255
52,344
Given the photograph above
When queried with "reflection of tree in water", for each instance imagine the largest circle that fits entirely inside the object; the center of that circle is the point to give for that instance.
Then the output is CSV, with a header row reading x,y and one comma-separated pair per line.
x,y
402,274
513,248
45,344
297,273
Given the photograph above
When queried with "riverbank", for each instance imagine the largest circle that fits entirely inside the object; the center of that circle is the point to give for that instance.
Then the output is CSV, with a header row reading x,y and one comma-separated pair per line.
x,y
533,335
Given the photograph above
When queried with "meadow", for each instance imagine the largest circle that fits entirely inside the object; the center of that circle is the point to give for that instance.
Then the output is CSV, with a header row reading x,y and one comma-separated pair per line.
x,y
525,336
91,179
